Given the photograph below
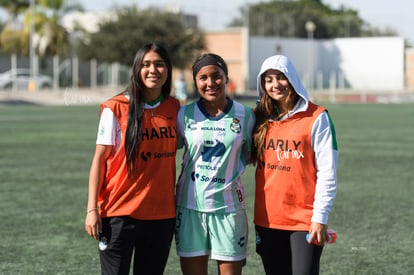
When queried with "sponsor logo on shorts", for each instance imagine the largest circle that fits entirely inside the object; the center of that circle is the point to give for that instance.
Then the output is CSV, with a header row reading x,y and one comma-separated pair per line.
x,y
242,241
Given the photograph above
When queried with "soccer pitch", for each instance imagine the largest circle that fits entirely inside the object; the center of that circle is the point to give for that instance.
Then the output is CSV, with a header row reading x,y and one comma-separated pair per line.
x,y
44,165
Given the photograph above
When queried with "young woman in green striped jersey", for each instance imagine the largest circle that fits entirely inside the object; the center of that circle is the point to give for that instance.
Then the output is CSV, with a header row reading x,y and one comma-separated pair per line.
x,y
216,134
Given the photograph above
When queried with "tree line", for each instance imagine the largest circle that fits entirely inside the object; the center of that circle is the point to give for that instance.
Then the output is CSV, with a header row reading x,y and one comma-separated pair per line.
x,y
288,18
119,38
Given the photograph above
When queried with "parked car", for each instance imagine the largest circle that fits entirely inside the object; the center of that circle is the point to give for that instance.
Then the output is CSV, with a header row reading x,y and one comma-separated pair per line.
x,y
22,78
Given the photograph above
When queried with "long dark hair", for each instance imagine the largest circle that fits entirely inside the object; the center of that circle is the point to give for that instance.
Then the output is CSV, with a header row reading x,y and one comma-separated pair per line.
x,y
264,110
133,133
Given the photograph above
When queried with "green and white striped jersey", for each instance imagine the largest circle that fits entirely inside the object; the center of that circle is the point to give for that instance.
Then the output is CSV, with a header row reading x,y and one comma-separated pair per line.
x,y
217,150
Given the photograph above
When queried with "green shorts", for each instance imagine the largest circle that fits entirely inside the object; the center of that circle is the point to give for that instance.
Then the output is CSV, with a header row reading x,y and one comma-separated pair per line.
x,y
223,236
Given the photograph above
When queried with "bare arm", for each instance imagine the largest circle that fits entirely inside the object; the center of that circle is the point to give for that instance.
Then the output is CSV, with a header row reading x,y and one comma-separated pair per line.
x,y
93,223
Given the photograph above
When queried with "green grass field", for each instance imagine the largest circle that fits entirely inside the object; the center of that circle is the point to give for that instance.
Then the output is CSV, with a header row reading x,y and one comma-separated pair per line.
x,y
44,164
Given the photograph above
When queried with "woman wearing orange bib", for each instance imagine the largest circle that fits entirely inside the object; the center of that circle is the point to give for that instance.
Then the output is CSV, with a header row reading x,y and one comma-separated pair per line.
x,y
296,154
131,205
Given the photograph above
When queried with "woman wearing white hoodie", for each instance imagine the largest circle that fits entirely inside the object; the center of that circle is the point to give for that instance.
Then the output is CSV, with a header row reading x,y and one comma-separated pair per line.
x,y
296,154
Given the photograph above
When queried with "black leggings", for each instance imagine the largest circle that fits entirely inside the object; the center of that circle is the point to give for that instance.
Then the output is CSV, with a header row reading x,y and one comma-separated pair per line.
x,y
149,242
287,252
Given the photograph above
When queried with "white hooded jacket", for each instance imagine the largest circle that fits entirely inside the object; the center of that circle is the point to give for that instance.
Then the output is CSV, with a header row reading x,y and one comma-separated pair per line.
x,y
322,137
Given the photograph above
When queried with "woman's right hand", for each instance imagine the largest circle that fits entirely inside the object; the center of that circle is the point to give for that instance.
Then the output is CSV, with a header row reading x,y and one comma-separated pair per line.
x,y
93,224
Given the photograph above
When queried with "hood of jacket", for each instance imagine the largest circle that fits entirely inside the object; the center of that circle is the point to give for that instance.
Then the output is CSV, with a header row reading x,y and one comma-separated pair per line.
x,y
284,65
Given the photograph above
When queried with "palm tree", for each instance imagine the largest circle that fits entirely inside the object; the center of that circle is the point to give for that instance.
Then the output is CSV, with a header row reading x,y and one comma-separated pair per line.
x,y
51,38
14,7
12,36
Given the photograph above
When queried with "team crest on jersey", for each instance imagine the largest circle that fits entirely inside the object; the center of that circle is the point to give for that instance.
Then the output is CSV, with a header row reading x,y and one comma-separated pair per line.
x,y
235,126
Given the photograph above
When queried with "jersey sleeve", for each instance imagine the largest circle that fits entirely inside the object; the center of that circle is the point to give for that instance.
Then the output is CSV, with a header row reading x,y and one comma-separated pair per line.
x,y
108,128
326,158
